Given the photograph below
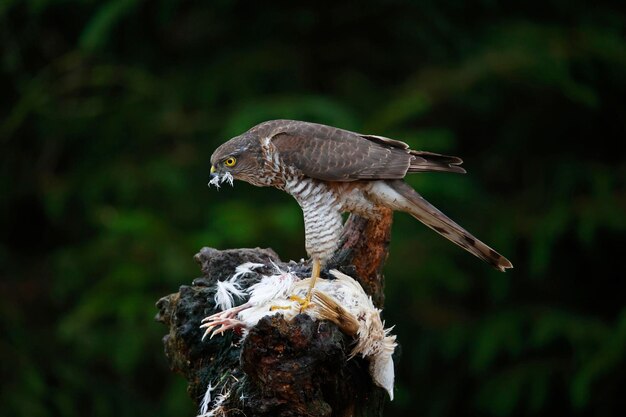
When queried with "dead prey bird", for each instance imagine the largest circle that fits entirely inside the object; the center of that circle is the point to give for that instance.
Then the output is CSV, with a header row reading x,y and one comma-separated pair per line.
x,y
341,300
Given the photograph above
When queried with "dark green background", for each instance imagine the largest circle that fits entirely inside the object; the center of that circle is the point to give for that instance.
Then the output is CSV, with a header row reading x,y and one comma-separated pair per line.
x,y
111,110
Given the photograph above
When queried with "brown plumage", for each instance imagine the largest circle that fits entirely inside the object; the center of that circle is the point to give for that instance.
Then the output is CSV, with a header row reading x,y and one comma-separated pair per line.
x,y
330,171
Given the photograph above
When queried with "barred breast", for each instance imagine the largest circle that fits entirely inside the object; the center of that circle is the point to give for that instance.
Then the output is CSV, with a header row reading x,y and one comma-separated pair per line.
x,y
322,216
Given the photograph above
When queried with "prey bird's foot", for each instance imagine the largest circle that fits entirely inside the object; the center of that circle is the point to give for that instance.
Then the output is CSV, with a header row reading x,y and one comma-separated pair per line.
x,y
227,314
211,326
226,319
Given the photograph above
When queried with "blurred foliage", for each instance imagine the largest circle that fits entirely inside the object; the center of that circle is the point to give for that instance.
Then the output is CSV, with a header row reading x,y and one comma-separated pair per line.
x,y
111,110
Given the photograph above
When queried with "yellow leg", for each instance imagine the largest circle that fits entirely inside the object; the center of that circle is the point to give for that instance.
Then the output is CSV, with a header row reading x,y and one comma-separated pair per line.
x,y
314,276
317,266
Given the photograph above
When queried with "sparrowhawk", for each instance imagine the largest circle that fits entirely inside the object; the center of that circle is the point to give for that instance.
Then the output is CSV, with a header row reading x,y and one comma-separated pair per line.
x,y
330,171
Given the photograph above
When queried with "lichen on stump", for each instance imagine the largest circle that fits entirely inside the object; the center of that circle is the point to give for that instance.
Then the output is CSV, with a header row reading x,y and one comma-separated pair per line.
x,y
282,368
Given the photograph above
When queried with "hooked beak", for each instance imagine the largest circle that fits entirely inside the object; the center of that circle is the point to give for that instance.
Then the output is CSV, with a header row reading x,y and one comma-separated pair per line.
x,y
214,172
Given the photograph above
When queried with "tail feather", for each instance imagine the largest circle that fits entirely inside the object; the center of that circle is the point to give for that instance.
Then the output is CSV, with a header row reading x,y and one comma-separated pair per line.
x,y
428,161
422,161
428,214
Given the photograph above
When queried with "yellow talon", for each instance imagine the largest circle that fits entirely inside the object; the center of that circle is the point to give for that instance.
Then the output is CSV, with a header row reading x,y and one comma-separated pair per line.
x,y
306,304
274,308
297,298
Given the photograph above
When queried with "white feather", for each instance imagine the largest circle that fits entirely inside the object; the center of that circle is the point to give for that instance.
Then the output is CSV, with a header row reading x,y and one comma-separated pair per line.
x,y
272,288
227,290
206,400
244,269
218,409
225,293
219,179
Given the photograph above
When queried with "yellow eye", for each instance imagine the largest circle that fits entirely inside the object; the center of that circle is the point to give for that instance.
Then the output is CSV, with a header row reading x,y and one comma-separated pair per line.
x,y
230,162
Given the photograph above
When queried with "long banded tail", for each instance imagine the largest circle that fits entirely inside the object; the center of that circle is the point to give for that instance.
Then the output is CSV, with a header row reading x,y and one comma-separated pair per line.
x,y
428,214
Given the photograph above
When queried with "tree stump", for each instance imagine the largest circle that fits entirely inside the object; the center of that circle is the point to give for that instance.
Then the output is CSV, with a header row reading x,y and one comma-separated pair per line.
x,y
282,368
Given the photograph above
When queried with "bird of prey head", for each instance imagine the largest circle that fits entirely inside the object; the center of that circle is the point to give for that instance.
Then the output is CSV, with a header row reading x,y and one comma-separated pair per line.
x,y
239,159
